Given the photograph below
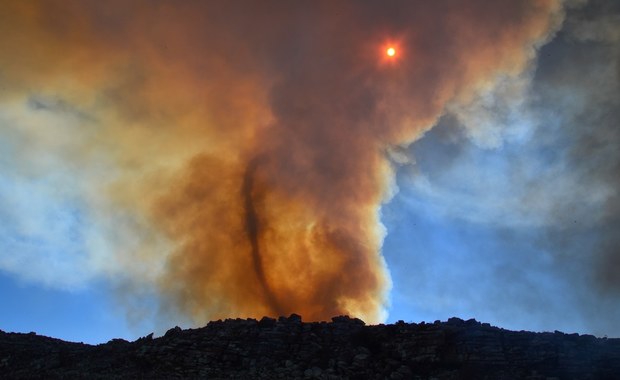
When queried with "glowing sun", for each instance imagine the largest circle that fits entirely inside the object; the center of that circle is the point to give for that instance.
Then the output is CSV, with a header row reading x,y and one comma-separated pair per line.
x,y
390,52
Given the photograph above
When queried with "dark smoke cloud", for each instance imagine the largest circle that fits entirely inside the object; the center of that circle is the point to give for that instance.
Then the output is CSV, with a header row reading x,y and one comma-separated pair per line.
x,y
580,79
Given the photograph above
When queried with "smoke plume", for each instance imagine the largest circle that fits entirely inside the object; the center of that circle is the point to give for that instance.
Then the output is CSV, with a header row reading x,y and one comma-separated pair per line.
x,y
234,156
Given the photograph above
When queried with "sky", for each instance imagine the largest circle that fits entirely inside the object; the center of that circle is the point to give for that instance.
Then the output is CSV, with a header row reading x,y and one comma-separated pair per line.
x,y
170,163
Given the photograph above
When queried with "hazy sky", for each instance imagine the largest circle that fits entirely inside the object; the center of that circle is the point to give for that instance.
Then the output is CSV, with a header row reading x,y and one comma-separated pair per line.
x,y
168,163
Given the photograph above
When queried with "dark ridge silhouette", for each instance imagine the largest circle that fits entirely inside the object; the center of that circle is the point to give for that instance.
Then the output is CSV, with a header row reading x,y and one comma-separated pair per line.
x,y
252,226
345,348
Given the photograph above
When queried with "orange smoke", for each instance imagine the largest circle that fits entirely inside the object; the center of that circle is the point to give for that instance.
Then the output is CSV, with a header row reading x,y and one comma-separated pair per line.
x,y
253,137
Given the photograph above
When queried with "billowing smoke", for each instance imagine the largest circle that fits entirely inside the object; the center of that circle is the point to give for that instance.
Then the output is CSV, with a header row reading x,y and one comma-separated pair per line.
x,y
520,185
234,156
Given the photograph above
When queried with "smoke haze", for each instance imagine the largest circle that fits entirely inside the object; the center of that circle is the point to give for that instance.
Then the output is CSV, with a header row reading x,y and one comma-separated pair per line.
x,y
521,187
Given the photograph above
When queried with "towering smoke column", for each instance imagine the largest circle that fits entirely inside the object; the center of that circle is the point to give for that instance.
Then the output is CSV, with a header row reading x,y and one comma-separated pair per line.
x,y
251,139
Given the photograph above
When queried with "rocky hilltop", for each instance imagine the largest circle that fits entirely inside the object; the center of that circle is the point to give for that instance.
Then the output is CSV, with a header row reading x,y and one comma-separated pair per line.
x,y
345,348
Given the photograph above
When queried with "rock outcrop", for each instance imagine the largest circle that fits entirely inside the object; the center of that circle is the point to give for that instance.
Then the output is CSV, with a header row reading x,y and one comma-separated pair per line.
x,y
345,348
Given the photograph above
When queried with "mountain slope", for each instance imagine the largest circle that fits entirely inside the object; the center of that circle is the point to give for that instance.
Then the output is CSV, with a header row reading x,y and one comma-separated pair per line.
x,y
343,348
